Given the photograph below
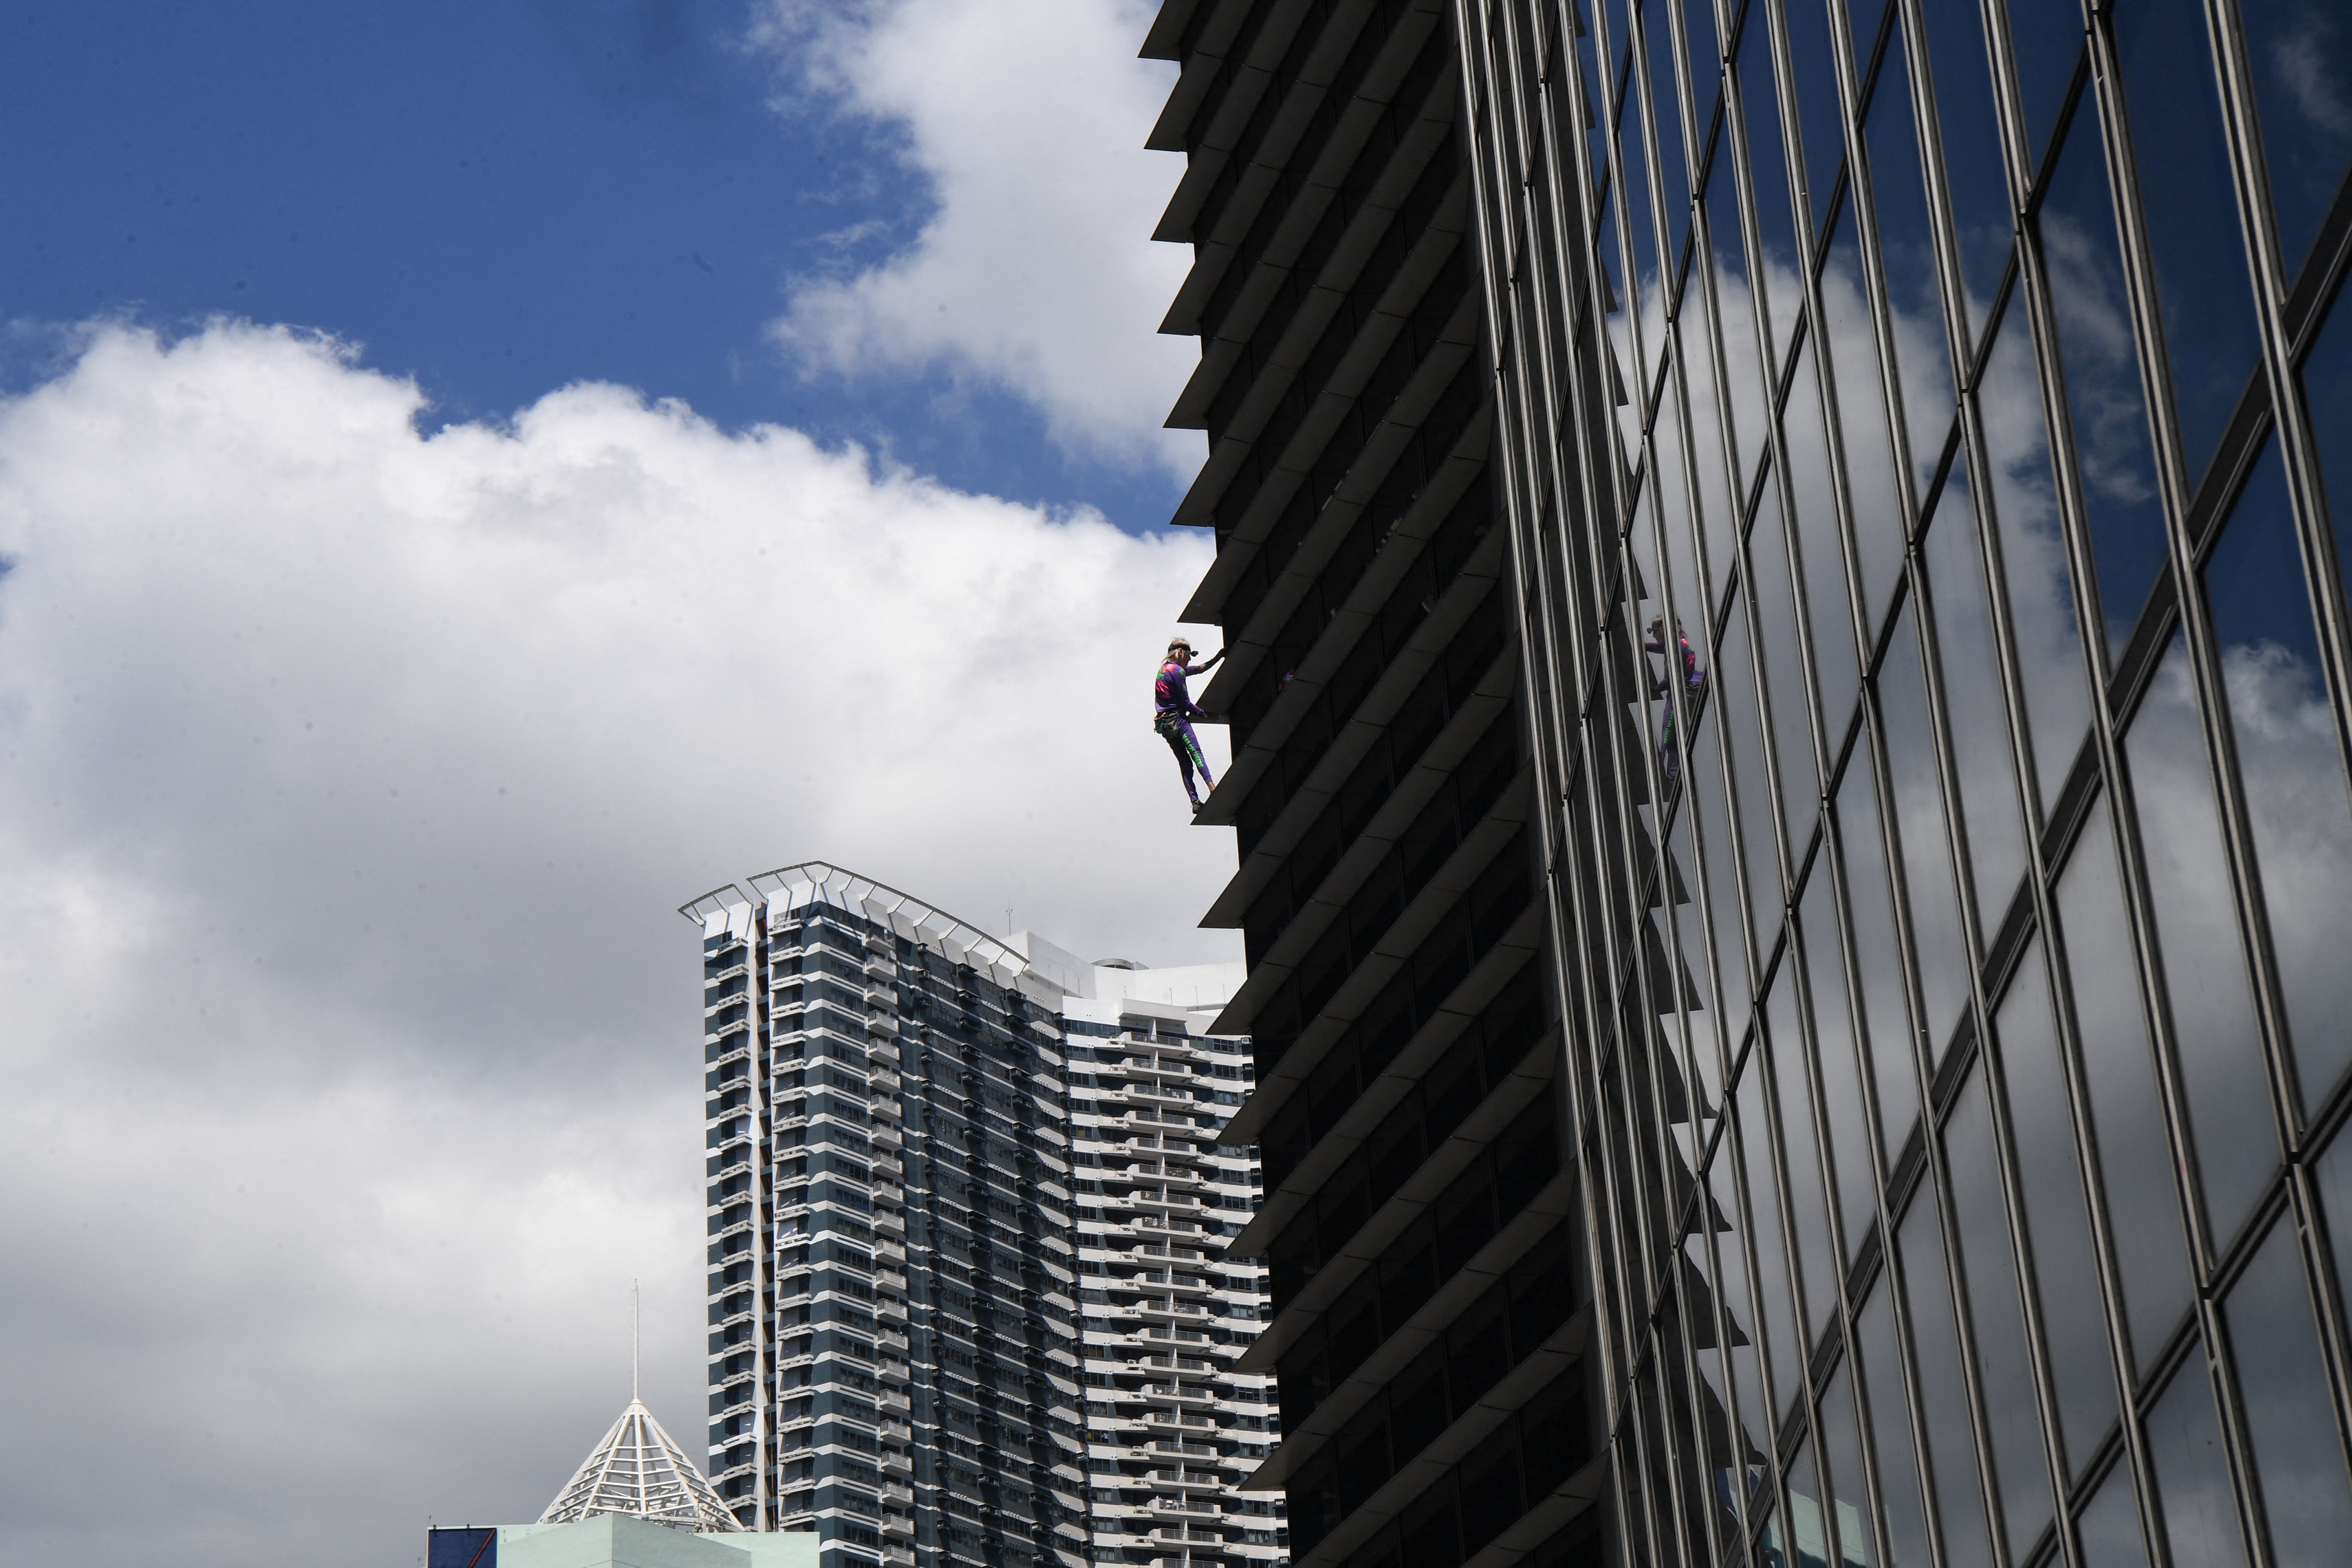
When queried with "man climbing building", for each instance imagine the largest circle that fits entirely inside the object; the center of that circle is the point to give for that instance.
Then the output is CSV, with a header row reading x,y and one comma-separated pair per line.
x,y
1174,712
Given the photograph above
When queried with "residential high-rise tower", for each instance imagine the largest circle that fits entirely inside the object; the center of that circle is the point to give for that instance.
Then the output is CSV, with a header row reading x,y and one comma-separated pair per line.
x,y
906,1216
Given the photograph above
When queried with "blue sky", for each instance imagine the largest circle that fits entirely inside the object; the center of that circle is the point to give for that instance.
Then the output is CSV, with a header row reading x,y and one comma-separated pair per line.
x,y
497,200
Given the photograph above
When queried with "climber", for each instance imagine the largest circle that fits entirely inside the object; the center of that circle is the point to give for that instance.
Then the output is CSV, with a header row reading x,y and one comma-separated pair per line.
x,y
1694,686
1174,712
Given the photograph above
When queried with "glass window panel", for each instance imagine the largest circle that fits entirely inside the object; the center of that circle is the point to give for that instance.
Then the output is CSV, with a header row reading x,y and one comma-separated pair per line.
x,y
1849,1130
2282,1387
2301,52
1770,1244
1819,109
1972,702
2109,1525
2034,554
1735,693
1890,1431
1879,521
2012,1424
1923,361
1618,328
1754,1440
1641,227
2107,413
1894,1073
2188,203
1784,671
1943,1396
1808,1520
1716,514
2058,1227
2135,1157
1749,395
1809,1207
1820,549
2046,42
1845,1499
2292,771
1699,991
2193,1476
1769,173
1705,804
2203,957
1943,953
1973,171
1674,505
2327,392
1674,163
1703,48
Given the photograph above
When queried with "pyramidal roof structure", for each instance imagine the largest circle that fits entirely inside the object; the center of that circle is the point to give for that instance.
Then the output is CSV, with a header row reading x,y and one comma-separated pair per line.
x,y
640,1470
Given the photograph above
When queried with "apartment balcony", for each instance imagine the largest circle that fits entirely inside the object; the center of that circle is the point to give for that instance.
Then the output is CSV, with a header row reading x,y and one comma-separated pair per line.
x,y
883,1220
1169,1448
891,1311
888,1137
899,1464
896,1495
1178,1425
1184,1399
896,1432
885,1081
892,1370
895,1403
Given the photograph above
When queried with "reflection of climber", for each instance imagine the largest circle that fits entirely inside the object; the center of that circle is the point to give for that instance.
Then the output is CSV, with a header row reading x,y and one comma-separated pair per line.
x,y
1694,686
1172,711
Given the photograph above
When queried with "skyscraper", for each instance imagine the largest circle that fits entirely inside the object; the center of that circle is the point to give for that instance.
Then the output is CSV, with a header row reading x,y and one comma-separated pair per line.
x,y
1171,1428
895,1268
1921,631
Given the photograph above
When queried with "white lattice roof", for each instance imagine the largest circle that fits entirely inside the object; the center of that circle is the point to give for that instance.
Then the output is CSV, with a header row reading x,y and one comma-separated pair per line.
x,y
640,1472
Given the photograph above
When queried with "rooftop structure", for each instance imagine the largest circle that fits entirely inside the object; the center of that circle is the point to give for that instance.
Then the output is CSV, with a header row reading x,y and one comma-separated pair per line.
x,y
639,1471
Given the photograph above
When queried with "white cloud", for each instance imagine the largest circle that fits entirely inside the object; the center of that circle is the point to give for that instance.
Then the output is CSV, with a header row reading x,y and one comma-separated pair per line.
x,y
349,780
1035,272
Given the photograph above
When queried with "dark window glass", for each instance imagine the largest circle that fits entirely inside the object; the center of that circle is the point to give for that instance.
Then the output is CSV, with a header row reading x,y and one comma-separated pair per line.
x,y
2283,1385
2202,956
1707,1025
2193,1477
1818,106
1890,1431
1808,1206
1998,1315
2033,556
2292,774
1735,694
1962,69
1673,163
2135,1157
1943,1396
1739,1310
1907,264
1849,1135
1943,954
1894,1073
1768,1242
1703,48
1880,524
2046,42
1759,95
2301,52
2050,1185
1972,702
2187,200
1845,1500
2108,416
1784,670
2109,1525
1822,549
2328,392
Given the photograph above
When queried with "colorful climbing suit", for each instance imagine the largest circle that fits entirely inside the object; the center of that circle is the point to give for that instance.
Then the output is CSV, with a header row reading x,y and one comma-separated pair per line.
x,y
1172,714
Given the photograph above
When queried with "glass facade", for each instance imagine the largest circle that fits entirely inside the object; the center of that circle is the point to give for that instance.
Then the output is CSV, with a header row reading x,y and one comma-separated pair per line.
x,y
1921,429
1915,439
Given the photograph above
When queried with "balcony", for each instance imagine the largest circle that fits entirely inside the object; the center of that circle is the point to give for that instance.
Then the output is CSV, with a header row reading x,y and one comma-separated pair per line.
x,y
895,1403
